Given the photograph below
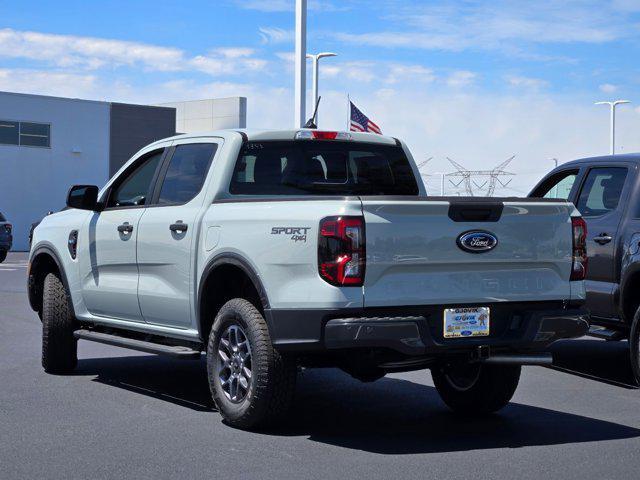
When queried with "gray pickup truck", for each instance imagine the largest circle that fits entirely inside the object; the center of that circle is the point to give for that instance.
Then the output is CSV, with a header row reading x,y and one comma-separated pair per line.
x,y
606,191
269,250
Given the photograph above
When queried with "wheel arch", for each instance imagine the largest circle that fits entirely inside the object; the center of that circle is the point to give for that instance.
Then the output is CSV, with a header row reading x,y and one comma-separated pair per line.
x,y
44,260
243,281
629,292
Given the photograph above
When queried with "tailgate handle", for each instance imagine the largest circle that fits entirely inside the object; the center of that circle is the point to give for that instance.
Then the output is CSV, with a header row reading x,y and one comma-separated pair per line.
x,y
477,211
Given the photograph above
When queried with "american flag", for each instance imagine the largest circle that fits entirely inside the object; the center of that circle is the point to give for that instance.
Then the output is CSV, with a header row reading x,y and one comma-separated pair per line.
x,y
361,123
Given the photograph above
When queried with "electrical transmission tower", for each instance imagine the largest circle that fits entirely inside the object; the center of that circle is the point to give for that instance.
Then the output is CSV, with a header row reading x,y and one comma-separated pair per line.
x,y
487,177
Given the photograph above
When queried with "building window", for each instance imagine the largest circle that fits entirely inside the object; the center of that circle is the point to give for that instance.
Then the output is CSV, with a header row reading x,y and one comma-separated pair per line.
x,y
27,134
9,133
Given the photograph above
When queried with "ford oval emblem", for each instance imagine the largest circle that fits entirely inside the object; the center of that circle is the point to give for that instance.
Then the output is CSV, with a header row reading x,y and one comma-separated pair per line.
x,y
477,241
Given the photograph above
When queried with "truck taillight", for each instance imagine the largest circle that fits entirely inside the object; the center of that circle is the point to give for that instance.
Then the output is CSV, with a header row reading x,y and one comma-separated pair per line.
x,y
579,265
341,251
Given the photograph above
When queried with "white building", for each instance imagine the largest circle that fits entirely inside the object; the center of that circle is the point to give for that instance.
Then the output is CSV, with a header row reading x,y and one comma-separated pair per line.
x,y
212,114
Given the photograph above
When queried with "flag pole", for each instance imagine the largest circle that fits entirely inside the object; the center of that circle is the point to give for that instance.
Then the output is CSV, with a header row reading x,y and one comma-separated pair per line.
x,y
348,113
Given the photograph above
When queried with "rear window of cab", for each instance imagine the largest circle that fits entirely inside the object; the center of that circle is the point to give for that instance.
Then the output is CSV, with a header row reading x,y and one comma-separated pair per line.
x,y
322,168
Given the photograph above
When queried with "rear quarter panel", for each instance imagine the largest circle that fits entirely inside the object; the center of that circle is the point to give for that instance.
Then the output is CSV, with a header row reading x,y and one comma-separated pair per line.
x,y
287,266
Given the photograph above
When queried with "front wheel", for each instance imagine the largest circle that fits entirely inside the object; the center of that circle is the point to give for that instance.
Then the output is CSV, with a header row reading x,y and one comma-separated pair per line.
x,y
634,347
59,347
476,389
252,384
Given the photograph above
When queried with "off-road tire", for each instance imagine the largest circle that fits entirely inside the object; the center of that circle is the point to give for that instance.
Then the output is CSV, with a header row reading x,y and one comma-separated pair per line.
x,y
59,347
3,255
273,375
491,391
634,347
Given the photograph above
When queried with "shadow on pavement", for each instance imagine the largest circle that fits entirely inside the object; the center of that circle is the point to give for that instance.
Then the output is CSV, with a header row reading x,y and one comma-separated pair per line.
x,y
390,416
607,362
182,382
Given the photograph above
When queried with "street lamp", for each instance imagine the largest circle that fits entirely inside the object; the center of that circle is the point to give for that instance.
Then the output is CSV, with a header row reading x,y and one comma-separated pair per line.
x,y
300,64
316,59
612,106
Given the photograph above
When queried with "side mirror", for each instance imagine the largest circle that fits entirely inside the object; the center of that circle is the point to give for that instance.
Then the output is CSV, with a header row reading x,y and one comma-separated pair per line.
x,y
83,197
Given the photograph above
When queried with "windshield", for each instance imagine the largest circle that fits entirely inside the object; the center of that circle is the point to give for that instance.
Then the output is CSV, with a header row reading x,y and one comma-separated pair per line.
x,y
322,168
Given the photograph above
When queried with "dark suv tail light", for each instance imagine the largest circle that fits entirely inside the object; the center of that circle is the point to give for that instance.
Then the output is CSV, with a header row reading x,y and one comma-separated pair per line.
x,y
579,265
341,251
8,227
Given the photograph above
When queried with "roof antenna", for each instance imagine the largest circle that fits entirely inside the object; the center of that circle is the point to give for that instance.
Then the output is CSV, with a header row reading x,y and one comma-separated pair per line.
x,y
311,123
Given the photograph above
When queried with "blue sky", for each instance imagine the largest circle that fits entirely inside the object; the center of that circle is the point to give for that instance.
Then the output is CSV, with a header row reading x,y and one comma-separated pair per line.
x,y
474,80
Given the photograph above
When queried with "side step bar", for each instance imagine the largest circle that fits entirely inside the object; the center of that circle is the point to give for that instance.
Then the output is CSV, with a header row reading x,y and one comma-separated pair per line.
x,y
544,359
605,333
134,344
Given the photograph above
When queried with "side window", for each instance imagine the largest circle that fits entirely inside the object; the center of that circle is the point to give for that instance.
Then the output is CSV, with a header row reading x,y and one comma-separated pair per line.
x,y
601,191
558,186
186,172
133,189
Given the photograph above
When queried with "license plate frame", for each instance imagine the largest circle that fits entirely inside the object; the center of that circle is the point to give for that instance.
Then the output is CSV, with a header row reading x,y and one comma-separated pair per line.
x,y
466,322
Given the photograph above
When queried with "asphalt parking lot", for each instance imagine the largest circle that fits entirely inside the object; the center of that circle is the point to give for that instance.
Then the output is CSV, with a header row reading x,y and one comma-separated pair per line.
x,y
124,414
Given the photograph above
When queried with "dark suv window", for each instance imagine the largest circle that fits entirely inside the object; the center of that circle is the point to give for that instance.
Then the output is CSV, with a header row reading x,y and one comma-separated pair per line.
x,y
133,190
601,191
322,168
2,218
186,173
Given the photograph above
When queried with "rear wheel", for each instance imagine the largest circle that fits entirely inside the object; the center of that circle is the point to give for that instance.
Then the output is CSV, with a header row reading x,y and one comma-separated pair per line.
x,y
59,347
3,255
476,389
251,383
634,346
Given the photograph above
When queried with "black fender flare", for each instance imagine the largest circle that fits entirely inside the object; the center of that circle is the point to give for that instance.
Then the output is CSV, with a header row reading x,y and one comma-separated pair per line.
x,y
630,271
243,264
50,251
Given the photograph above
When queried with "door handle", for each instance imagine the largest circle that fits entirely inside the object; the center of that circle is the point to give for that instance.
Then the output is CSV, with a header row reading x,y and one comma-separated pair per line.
x,y
603,238
125,228
178,227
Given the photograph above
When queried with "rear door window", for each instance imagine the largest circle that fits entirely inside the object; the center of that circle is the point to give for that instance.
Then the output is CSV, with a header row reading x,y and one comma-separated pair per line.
x,y
322,168
601,191
186,173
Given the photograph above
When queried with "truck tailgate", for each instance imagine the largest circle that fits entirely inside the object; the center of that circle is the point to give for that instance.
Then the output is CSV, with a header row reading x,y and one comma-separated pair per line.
x,y
413,257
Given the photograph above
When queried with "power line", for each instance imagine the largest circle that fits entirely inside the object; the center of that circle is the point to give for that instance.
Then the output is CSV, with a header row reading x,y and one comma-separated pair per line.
x,y
486,177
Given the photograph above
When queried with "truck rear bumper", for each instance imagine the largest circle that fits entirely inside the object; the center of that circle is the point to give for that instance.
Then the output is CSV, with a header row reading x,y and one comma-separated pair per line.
x,y
523,327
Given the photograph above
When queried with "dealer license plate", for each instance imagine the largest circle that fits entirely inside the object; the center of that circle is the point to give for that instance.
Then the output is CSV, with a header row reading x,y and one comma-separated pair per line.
x,y
466,322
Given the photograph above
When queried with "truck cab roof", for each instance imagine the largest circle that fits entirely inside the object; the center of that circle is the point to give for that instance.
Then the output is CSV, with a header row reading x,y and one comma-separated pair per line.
x,y
623,157
274,135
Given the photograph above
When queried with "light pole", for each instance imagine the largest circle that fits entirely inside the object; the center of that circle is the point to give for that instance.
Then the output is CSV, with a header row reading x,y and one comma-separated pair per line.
x,y
316,60
612,106
300,64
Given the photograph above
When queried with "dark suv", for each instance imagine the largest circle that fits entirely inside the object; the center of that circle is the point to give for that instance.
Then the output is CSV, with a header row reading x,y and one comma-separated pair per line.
x,y
606,191
6,238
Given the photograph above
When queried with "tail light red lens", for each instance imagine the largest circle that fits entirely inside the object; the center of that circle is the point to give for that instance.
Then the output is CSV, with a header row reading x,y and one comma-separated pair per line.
x,y
8,227
341,251
579,266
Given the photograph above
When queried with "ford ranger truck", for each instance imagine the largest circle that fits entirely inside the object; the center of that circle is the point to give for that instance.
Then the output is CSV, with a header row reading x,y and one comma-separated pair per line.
x,y
270,250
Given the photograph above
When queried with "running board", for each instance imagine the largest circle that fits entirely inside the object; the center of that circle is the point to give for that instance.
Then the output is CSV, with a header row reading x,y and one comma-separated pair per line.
x,y
543,359
134,344
605,333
